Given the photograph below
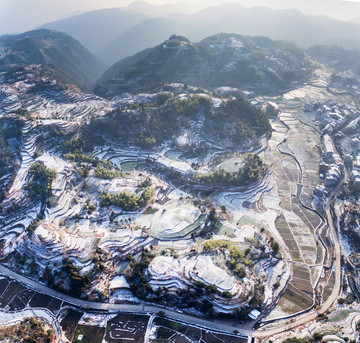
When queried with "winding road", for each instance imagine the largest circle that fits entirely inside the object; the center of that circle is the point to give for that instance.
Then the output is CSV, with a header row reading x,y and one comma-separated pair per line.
x,y
138,308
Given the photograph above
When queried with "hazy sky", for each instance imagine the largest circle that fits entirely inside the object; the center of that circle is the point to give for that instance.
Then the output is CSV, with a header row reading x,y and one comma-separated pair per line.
x,y
22,15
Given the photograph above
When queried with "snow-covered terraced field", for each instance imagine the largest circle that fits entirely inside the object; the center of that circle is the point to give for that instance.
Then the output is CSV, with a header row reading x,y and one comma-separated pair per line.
x,y
167,270
118,157
234,201
16,223
206,271
171,219
98,237
125,245
49,104
181,166
27,152
59,241
119,185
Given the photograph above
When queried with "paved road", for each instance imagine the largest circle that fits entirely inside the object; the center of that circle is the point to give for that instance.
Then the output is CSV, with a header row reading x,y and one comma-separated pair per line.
x,y
89,305
337,252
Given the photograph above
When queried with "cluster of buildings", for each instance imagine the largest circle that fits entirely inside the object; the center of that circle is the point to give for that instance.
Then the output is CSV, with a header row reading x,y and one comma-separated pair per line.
x,y
330,115
355,89
332,169
352,155
354,160
342,122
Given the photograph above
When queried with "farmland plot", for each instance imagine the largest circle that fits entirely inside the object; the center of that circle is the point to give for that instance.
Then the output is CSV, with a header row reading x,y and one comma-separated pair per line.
x,y
126,328
294,223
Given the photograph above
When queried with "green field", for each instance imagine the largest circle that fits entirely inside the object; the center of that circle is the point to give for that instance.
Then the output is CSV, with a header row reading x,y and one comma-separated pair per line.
x,y
128,167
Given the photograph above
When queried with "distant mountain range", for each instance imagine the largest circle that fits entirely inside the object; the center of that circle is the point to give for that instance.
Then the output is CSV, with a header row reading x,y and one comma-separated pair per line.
x,y
113,34
150,10
338,9
62,53
95,29
256,63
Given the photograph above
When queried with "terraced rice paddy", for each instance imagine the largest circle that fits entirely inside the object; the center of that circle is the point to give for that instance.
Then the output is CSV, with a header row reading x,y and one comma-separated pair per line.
x,y
77,224
340,316
299,226
294,301
173,224
296,224
128,166
175,220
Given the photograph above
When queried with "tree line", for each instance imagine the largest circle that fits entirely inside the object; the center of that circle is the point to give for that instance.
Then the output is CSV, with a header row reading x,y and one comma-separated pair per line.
x,y
252,171
42,178
127,201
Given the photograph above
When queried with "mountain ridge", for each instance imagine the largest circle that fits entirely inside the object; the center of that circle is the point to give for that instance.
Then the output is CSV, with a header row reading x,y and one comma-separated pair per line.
x,y
220,60
145,30
90,28
59,51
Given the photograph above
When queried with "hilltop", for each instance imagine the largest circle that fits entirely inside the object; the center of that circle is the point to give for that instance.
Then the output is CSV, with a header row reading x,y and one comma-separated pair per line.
x,y
257,63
